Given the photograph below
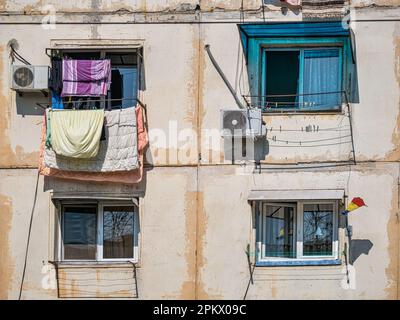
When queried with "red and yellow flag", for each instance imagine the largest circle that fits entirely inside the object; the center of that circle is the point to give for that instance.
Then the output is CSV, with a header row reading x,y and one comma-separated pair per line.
x,y
354,204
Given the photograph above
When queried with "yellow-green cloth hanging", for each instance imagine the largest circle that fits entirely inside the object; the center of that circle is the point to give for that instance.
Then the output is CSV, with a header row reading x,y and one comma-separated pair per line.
x,y
76,133
48,129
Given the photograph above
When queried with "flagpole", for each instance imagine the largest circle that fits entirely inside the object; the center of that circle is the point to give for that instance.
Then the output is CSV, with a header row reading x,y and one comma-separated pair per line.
x,y
348,256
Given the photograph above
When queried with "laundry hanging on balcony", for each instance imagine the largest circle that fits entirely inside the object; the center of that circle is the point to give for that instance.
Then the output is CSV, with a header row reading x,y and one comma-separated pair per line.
x,y
127,177
55,79
85,77
56,101
76,133
118,152
293,2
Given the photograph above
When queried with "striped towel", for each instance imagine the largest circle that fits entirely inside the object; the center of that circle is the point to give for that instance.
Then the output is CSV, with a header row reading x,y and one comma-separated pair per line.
x,y
86,77
293,2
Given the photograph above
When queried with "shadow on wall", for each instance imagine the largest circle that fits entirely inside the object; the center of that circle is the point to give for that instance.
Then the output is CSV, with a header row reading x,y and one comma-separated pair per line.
x,y
353,86
26,103
359,247
241,149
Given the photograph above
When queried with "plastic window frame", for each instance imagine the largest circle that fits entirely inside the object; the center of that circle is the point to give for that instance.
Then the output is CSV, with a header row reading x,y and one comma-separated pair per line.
x,y
298,228
99,231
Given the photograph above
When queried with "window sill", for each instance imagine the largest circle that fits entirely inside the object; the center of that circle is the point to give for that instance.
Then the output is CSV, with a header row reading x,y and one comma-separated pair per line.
x,y
324,262
302,112
96,264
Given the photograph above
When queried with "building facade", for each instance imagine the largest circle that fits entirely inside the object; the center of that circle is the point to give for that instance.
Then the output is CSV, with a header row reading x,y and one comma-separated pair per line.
x,y
264,222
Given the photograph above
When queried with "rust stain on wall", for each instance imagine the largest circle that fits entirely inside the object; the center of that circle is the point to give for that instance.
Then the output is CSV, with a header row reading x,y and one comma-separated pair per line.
x,y
394,155
93,284
11,158
6,261
229,5
201,261
188,286
376,3
196,87
3,5
392,270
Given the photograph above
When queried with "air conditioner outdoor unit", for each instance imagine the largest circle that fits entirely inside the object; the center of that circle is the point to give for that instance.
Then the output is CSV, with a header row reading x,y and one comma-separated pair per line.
x,y
27,78
242,123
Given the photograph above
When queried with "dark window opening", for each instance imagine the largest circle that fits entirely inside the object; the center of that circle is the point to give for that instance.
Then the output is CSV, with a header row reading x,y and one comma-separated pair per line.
x,y
282,77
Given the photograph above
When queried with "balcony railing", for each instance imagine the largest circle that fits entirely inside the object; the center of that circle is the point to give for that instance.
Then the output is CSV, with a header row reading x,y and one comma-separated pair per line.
x,y
307,102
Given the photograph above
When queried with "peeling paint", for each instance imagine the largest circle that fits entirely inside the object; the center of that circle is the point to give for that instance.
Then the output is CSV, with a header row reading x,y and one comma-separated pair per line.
x,y
395,154
392,269
194,282
189,285
96,282
201,262
10,158
3,4
6,261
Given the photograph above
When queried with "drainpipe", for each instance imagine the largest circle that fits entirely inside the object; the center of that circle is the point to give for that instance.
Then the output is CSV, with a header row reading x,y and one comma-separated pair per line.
x,y
220,72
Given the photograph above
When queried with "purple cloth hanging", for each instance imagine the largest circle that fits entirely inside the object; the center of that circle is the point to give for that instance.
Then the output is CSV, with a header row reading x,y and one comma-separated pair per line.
x,y
86,77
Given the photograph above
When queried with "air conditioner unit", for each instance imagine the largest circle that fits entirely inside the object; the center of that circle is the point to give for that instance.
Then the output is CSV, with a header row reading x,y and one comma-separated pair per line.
x,y
242,123
27,78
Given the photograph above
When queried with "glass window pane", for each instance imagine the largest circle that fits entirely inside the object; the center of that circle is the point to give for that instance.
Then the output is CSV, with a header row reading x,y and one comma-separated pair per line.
x,y
127,58
317,229
322,81
118,227
279,225
80,233
124,86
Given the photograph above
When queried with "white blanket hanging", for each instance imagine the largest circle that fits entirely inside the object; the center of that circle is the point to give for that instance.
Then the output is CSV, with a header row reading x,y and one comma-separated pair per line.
x,y
117,153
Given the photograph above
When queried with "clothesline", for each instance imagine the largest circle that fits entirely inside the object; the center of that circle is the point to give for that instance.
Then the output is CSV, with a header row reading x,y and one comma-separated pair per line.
x,y
47,105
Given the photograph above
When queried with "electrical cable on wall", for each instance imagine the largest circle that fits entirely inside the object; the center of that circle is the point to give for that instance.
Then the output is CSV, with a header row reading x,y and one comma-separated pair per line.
x,y
13,44
29,237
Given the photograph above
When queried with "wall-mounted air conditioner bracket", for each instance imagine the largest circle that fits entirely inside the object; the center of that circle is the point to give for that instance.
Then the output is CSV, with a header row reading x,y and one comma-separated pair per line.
x,y
21,93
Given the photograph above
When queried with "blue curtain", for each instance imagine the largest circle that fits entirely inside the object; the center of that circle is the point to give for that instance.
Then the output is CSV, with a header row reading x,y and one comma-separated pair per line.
x,y
129,80
321,75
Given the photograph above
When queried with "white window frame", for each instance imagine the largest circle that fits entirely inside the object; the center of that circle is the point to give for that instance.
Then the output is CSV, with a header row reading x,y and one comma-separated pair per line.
x,y
99,232
263,233
298,230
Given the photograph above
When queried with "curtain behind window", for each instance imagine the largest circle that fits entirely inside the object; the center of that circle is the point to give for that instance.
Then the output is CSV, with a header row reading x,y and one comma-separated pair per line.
x,y
321,75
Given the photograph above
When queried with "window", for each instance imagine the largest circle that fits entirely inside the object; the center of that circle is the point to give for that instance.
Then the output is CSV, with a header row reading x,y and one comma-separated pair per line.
x,y
107,231
124,78
302,78
298,66
302,230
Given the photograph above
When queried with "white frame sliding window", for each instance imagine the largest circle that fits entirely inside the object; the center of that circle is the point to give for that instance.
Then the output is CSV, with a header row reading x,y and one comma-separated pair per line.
x,y
100,205
297,229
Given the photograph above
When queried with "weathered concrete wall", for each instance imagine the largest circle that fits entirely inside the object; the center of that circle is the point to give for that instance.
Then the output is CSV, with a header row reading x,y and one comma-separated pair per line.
x,y
195,218
228,226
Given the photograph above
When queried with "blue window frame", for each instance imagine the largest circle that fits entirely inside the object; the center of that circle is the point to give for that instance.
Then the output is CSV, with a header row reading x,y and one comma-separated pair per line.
x,y
314,82
301,78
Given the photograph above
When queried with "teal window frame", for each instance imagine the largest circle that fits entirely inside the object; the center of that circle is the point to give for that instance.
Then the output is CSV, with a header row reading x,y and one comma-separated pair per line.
x,y
256,64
